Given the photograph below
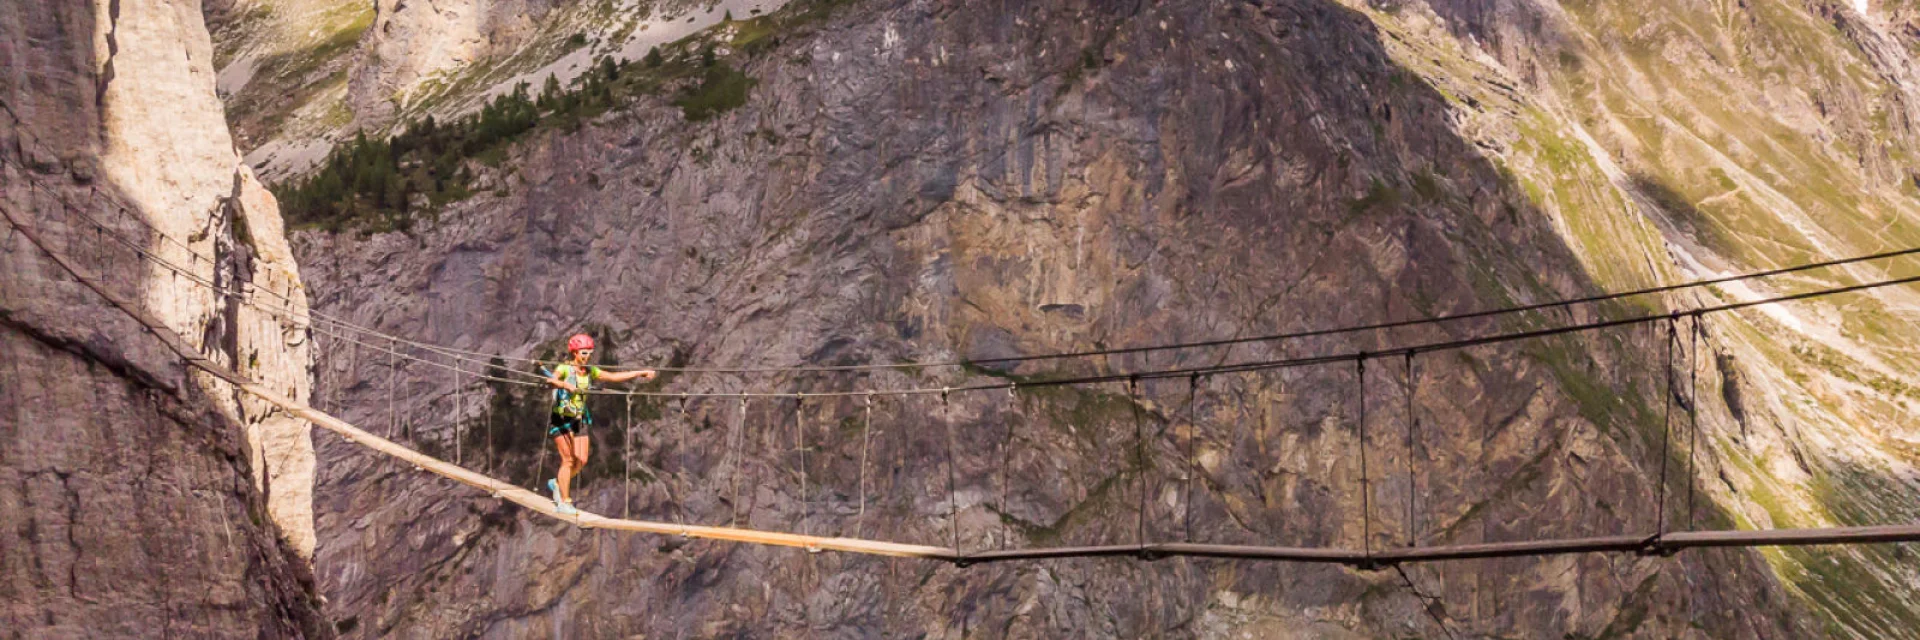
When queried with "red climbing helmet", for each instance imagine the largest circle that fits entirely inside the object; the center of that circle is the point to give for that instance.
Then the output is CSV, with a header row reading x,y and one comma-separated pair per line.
x,y
579,342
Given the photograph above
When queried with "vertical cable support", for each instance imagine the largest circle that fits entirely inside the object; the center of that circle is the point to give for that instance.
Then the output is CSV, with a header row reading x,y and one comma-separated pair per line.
x,y
866,443
1413,530
953,475
1140,458
1006,461
800,439
1366,481
1193,435
1693,413
1666,434
626,460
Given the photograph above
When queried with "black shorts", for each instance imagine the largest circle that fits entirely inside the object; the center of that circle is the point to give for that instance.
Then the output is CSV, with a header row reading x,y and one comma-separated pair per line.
x,y
559,425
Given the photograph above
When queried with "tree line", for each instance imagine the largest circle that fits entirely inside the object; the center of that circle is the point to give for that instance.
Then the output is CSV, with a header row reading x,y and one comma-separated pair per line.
x,y
381,185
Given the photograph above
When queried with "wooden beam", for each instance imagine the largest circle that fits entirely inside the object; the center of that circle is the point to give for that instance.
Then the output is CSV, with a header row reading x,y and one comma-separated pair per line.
x,y
543,505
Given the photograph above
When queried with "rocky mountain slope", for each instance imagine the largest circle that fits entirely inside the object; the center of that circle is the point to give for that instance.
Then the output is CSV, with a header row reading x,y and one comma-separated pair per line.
x,y
913,180
298,74
139,498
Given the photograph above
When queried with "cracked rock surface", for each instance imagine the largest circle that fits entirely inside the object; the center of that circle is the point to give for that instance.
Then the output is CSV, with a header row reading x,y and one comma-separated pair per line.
x,y
921,180
140,498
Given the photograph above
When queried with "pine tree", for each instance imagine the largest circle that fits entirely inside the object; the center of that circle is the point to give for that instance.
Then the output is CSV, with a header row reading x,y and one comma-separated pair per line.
x,y
550,93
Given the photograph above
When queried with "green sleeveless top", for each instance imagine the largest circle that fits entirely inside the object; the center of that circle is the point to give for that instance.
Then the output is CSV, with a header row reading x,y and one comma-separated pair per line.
x,y
566,403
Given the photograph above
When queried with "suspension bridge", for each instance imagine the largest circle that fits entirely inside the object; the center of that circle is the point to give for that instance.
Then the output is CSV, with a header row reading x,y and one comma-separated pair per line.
x,y
1661,540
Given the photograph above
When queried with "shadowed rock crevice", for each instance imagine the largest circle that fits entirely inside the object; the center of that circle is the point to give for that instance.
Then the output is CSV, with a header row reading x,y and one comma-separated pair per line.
x,y
113,49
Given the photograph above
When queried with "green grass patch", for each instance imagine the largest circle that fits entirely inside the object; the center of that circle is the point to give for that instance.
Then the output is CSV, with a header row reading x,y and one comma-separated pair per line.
x,y
721,88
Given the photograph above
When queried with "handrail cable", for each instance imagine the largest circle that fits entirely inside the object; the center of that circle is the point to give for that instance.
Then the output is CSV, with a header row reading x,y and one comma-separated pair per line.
x,y
1312,333
1659,542
1239,367
1262,364
1323,359
499,489
1568,302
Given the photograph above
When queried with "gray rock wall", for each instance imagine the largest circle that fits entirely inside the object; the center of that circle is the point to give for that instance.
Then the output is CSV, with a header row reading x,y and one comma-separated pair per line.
x,y
926,180
140,498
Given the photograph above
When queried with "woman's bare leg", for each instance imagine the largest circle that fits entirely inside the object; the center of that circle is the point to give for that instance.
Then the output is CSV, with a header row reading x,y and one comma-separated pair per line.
x,y
580,448
564,442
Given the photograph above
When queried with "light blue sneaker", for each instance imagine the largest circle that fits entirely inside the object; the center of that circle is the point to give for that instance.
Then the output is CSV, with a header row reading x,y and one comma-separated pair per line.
x,y
561,506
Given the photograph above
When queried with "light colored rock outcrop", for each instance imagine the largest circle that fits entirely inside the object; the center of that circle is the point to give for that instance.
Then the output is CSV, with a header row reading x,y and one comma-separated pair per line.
x,y
298,75
418,41
275,346
139,498
283,65
166,152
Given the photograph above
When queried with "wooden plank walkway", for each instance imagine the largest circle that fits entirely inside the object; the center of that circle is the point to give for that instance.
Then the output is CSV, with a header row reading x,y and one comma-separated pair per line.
x,y
544,506
1657,543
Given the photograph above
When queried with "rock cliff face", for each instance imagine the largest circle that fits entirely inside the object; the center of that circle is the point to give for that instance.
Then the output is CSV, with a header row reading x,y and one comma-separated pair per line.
x,y
417,42
1753,135
301,75
139,497
918,180
283,68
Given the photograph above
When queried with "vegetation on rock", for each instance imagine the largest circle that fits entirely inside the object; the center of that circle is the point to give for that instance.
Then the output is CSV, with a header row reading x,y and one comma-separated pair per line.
x,y
380,185
721,88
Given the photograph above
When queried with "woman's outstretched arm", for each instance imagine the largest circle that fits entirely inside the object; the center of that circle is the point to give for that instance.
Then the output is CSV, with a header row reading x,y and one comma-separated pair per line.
x,y
623,376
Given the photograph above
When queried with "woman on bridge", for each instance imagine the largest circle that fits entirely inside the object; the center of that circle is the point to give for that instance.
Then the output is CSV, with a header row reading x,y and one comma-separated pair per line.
x,y
568,425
